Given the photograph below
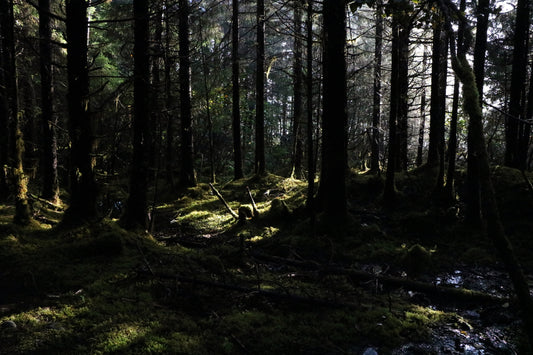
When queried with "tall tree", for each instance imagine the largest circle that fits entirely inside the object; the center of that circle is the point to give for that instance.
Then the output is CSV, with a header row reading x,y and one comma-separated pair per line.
x,y
422,126
389,193
19,181
50,190
260,164
438,95
309,107
236,95
298,105
495,231
449,187
169,61
4,110
514,124
403,86
376,107
334,154
187,173
473,202
83,188
136,208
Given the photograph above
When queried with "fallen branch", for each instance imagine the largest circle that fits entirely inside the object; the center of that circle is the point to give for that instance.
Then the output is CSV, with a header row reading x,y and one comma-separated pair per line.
x,y
256,291
232,212
254,206
459,294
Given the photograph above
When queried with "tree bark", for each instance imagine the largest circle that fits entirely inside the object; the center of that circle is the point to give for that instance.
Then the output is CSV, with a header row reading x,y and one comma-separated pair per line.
x,y
311,169
83,188
136,215
260,164
19,180
514,128
438,96
334,154
422,127
376,107
50,190
297,148
187,173
236,94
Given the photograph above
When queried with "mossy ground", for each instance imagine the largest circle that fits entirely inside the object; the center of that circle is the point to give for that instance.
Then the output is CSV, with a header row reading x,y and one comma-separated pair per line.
x,y
99,289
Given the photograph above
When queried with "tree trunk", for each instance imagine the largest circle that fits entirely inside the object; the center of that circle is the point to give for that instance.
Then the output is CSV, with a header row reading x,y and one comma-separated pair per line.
x,y
334,154
260,167
311,169
495,231
50,189
169,98
514,128
438,96
376,107
136,208
19,180
236,94
449,189
297,148
187,173
4,110
403,85
389,193
422,127
81,170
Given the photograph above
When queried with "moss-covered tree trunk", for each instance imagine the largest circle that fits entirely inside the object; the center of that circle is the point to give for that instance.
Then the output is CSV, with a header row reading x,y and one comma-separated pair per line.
x,y
19,181
311,170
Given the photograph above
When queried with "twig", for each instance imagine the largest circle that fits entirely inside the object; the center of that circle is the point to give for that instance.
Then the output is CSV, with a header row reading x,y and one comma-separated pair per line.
x,y
232,212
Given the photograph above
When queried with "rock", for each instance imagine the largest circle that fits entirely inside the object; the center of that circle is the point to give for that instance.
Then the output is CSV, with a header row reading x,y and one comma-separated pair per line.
x,y
8,324
370,351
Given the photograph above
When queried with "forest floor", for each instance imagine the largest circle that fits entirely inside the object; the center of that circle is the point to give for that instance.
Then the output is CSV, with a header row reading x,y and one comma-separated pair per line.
x,y
410,280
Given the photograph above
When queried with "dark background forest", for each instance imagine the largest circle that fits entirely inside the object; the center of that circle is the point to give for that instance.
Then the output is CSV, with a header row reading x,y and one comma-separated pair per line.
x,y
172,168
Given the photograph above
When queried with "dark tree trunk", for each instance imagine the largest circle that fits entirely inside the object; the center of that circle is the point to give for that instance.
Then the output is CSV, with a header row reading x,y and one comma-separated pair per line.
x,y
260,164
187,173
403,86
472,195
311,170
376,107
50,189
19,180
422,127
438,96
389,194
334,154
4,110
236,94
82,181
169,98
136,208
298,105
449,189
514,127
494,226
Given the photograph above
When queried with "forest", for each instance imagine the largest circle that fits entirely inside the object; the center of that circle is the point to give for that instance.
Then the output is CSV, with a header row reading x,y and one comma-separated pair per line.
x,y
258,177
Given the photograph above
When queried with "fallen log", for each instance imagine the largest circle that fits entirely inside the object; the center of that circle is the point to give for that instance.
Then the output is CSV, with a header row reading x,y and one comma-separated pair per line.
x,y
257,291
457,294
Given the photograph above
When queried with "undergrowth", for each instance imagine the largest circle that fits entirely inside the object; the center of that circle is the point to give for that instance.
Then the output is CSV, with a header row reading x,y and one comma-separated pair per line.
x,y
197,286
